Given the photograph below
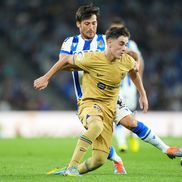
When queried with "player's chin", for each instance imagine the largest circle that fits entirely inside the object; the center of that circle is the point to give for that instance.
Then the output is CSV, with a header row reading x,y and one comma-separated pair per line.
x,y
90,35
119,56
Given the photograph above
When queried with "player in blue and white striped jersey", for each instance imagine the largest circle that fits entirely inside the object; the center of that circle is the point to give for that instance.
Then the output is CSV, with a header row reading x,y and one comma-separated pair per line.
x,y
88,40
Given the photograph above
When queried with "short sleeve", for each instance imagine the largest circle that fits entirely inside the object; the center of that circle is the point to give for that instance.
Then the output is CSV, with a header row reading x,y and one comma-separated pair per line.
x,y
66,46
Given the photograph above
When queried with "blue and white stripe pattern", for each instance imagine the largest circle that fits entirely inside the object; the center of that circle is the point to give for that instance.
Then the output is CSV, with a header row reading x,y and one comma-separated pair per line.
x,y
77,44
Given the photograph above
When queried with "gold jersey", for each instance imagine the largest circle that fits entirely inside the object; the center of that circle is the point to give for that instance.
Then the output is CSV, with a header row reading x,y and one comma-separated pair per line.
x,y
102,78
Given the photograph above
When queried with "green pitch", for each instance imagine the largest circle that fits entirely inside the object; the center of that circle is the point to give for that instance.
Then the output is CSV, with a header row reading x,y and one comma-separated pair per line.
x,y
28,160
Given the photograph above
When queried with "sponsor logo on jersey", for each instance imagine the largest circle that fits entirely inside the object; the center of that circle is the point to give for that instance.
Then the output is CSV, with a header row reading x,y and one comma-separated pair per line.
x,y
96,107
103,86
99,75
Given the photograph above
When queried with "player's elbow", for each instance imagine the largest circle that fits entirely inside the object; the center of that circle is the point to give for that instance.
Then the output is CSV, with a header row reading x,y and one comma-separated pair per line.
x,y
65,62
134,74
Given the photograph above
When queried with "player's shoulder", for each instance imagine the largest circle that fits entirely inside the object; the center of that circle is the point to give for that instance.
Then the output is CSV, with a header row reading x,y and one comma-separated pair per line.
x,y
93,56
127,58
68,43
71,39
128,61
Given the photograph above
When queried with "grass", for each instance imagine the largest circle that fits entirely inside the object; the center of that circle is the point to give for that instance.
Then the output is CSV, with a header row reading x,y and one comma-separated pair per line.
x,y
28,160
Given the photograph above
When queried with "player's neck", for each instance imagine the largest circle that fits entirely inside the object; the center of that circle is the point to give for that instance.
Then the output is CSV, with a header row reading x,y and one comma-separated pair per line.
x,y
108,54
86,38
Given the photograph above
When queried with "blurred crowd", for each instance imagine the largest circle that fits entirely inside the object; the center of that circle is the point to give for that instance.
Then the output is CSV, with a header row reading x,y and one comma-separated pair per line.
x,y
31,34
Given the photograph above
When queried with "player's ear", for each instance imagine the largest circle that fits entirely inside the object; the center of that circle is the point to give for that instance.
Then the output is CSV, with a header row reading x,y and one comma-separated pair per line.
x,y
109,42
78,24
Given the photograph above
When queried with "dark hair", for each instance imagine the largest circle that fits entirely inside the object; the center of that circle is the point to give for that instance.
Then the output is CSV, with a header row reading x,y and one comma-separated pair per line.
x,y
116,32
87,11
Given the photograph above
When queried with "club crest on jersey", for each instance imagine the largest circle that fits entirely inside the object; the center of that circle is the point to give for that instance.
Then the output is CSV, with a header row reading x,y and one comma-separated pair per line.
x,y
80,55
100,44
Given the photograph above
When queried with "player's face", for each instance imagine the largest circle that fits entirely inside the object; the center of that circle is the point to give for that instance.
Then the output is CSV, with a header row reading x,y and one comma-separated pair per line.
x,y
88,27
118,46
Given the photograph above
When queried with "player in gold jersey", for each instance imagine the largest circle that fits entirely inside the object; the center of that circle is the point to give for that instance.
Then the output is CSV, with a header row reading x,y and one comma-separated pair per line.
x,y
103,72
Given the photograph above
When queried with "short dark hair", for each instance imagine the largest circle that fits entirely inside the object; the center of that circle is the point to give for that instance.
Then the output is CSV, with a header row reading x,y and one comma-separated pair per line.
x,y
116,32
87,11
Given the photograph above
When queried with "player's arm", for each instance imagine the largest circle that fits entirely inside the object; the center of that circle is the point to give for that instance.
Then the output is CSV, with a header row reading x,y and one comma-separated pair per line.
x,y
64,62
141,66
139,61
134,52
135,56
139,85
67,67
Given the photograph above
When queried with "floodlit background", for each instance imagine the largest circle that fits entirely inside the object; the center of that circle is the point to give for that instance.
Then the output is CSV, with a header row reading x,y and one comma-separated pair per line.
x,y
31,34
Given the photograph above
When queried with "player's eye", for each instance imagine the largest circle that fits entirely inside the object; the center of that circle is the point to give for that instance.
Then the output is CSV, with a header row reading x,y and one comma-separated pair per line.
x,y
122,44
86,24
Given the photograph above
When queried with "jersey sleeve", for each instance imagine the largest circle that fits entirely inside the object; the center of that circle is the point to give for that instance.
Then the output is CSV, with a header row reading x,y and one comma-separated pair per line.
x,y
83,61
66,46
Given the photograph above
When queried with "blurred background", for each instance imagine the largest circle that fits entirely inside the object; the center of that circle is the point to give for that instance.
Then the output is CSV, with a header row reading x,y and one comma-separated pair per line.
x,y
32,32
31,35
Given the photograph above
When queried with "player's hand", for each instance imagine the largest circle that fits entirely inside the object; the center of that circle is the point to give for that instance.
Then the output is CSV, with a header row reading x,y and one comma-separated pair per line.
x,y
143,103
41,83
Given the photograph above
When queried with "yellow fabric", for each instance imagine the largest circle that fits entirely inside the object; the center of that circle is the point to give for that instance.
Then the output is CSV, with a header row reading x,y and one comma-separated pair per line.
x,y
89,108
102,78
98,159
79,152
94,124
100,83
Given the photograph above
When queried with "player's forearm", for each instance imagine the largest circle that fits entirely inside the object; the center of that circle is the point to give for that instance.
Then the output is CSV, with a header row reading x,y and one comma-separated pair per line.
x,y
141,66
135,56
138,83
54,69
42,82
61,64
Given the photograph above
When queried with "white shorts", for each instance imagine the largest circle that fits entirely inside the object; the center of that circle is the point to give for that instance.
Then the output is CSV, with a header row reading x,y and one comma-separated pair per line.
x,y
121,110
